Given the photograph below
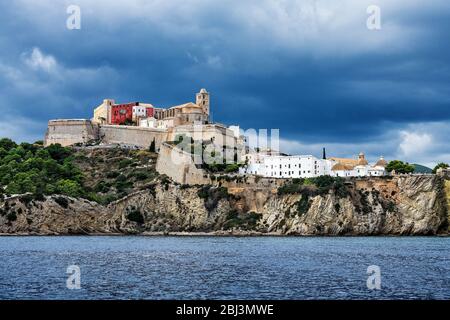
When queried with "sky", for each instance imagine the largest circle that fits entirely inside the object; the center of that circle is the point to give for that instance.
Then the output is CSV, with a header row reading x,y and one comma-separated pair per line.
x,y
312,69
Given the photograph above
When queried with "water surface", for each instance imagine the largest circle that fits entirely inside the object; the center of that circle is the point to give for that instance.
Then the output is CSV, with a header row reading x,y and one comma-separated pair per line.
x,y
119,267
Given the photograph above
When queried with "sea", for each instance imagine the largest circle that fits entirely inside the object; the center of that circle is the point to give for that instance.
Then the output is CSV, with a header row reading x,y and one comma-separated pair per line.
x,y
212,267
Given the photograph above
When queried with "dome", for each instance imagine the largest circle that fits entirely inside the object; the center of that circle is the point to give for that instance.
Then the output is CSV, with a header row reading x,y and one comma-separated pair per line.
x,y
362,160
203,90
381,162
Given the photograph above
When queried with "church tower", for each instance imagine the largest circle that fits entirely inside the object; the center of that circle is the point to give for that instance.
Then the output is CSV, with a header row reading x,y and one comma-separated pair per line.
x,y
203,100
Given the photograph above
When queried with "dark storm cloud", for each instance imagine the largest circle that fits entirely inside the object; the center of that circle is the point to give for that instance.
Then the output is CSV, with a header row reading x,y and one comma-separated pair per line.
x,y
310,68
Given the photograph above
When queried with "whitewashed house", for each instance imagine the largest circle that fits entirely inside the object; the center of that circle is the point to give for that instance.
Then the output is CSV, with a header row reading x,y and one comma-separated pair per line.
x,y
308,166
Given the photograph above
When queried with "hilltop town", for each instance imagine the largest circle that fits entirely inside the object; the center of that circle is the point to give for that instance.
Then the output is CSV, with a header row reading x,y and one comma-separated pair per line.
x,y
143,126
137,169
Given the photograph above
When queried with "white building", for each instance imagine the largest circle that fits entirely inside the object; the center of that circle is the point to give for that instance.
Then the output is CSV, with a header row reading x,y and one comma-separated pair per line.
x,y
279,166
303,166
148,122
308,166
139,112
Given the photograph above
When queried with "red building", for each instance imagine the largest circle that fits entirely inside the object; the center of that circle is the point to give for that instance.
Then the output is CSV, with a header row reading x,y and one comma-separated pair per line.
x,y
120,113
150,112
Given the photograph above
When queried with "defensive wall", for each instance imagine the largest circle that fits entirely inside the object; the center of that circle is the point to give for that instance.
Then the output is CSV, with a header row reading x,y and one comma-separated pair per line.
x,y
179,166
70,131
138,136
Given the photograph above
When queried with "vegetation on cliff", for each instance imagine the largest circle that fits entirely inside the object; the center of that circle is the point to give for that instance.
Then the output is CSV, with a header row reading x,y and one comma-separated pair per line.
x,y
315,186
399,167
101,175
213,159
441,165
31,168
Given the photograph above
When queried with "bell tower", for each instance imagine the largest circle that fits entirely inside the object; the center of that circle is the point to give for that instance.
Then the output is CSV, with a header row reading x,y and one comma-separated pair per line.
x,y
202,99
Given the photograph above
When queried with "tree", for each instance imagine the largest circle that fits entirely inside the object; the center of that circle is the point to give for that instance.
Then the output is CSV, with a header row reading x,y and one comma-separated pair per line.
x,y
69,188
440,165
7,144
152,146
58,152
399,167
23,182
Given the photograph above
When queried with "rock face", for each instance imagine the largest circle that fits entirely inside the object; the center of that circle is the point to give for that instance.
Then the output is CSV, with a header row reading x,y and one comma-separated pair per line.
x,y
409,205
401,206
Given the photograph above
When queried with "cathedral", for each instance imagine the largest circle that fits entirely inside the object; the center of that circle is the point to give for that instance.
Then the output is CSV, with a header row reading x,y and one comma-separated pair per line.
x,y
146,115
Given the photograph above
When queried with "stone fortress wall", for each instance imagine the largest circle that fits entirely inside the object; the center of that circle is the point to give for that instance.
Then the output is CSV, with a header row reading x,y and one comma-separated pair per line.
x,y
180,166
129,135
70,131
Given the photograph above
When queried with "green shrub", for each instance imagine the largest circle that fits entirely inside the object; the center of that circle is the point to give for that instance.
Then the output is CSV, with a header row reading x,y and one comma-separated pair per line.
x,y
125,163
303,204
399,167
63,202
152,147
337,207
390,206
102,187
26,198
136,216
141,175
11,216
112,174
7,144
234,167
244,221
290,188
203,192
69,188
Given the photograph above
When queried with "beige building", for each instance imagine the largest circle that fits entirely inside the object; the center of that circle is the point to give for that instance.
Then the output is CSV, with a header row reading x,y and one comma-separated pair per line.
x,y
102,114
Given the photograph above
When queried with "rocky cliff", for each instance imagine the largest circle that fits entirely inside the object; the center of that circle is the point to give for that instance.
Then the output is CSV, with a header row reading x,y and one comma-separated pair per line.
x,y
400,205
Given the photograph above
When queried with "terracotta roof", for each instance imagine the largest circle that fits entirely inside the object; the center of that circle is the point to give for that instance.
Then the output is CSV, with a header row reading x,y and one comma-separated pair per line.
x,y
340,167
189,104
362,162
381,162
347,162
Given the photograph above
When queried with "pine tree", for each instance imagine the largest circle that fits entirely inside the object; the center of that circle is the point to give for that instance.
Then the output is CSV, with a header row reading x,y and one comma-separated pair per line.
x,y
153,146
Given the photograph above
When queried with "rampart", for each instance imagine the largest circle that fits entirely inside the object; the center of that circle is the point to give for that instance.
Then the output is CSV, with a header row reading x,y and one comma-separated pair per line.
x,y
179,166
137,136
70,131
